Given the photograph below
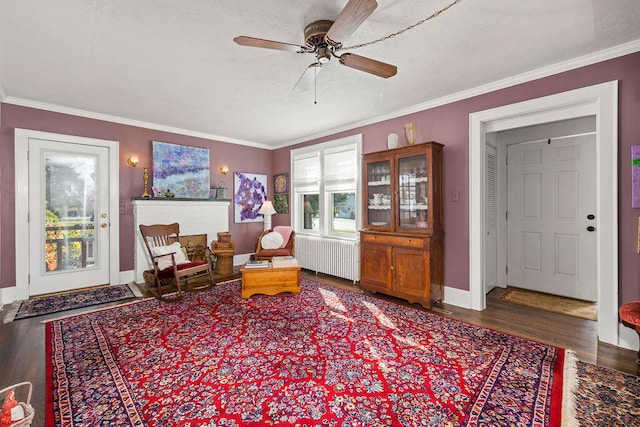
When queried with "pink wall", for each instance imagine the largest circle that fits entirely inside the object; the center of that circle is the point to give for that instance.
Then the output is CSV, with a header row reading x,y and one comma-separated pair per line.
x,y
131,140
449,125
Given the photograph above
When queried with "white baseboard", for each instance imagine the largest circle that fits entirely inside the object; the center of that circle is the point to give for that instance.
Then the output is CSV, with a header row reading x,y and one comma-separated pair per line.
x,y
457,297
627,338
127,276
8,295
241,258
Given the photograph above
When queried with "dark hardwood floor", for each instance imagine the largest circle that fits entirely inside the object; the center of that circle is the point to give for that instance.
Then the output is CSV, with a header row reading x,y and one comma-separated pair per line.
x,y
22,342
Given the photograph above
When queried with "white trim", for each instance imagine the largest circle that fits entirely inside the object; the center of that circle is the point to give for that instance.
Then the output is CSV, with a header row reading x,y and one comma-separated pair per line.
x,y
126,121
8,295
628,338
127,276
21,145
297,187
457,297
600,100
582,61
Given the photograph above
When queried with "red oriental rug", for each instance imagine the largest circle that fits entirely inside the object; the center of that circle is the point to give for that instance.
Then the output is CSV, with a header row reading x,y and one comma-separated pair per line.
x,y
326,357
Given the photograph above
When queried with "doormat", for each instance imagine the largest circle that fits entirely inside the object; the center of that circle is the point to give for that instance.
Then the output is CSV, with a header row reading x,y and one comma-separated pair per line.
x,y
39,306
554,303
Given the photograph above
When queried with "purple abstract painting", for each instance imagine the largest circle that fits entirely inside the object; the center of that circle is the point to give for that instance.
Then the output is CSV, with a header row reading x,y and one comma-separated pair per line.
x,y
250,191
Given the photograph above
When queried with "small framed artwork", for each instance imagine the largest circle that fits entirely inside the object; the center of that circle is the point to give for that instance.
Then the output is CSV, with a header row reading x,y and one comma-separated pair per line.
x,y
213,193
635,176
281,183
281,203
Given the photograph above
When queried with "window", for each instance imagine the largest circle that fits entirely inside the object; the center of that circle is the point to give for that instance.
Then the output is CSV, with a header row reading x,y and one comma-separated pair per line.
x,y
325,188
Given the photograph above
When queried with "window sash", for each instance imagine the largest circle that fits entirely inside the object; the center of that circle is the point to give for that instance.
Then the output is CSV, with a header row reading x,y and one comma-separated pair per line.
x,y
325,169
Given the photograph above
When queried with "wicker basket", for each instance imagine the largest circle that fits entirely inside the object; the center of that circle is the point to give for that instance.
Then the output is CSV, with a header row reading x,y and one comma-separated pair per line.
x,y
224,262
28,409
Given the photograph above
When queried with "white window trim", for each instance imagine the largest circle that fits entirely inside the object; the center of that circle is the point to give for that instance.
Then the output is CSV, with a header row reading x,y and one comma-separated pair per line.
x,y
324,201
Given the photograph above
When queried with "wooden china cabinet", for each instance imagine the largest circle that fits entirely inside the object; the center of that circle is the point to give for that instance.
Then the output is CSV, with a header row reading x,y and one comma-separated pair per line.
x,y
401,245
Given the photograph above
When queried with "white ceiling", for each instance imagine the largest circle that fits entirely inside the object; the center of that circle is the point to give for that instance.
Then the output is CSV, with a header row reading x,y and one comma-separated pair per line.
x,y
172,63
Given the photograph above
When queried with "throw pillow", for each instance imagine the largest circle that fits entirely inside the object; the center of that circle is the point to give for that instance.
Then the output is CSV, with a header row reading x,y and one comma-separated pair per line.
x,y
286,233
271,240
165,261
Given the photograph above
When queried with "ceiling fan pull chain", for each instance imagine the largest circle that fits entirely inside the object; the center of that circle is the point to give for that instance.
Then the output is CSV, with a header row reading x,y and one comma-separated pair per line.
x,y
392,35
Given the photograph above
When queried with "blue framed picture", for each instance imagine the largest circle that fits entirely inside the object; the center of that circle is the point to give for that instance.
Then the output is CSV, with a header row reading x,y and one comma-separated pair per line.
x,y
182,169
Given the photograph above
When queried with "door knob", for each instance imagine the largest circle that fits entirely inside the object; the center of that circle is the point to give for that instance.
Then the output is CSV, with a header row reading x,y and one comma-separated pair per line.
x,y
103,225
591,228
591,216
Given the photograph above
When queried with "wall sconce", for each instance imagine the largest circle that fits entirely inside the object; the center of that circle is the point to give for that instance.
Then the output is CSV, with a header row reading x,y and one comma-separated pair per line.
x,y
224,169
133,160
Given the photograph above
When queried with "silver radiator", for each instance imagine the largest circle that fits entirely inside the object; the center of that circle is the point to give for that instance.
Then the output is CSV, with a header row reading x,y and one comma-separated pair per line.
x,y
340,258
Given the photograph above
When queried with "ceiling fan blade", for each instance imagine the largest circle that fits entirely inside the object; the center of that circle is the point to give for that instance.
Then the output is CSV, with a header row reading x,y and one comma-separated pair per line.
x,y
308,77
269,44
368,65
350,18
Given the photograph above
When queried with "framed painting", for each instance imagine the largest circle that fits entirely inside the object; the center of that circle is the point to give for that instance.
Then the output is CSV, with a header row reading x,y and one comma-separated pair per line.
x,y
281,183
181,169
281,203
635,176
249,192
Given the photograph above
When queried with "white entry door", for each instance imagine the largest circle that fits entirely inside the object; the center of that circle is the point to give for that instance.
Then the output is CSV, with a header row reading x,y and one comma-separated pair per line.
x,y
68,216
551,217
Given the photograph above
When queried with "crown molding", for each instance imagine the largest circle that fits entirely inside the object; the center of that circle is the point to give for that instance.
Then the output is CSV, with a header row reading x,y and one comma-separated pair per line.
x,y
125,121
572,64
582,61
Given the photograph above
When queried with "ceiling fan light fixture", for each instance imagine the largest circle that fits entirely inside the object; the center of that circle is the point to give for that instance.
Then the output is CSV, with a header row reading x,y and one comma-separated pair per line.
x,y
324,55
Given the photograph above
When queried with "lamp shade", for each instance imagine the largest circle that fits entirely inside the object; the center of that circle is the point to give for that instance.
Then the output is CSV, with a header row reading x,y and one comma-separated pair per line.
x,y
267,208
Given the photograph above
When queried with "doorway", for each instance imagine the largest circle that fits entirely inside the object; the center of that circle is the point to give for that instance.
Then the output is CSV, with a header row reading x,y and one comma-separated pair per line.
x,y
599,101
69,226
551,224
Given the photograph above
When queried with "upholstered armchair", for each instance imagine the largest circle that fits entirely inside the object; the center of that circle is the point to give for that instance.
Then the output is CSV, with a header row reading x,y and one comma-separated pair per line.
x,y
277,242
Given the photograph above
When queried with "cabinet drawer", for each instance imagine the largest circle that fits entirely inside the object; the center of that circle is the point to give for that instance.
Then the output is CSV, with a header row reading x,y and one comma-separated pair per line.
x,y
411,242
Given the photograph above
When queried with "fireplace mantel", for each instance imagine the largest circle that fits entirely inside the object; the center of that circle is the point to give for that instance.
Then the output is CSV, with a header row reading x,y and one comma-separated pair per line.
x,y
195,216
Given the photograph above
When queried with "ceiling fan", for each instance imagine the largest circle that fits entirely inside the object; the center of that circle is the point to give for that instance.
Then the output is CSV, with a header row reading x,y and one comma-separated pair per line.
x,y
323,38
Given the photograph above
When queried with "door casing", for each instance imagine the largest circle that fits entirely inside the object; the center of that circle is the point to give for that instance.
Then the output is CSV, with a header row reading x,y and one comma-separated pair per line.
x,y
21,145
600,101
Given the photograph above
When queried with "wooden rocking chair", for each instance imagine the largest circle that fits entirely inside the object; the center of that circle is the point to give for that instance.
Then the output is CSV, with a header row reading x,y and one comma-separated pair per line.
x,y
171,263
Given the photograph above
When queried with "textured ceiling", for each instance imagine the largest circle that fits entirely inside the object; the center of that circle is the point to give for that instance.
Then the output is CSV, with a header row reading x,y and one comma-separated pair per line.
x,y
174,63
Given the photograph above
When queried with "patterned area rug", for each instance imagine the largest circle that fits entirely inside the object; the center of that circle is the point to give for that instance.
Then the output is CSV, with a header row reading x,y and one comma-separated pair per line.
x,y
606,397
554,303
40,306
326,357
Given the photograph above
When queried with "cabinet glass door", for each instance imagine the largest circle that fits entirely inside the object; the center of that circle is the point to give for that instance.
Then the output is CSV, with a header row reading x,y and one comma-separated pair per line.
x,y
379,193
413,192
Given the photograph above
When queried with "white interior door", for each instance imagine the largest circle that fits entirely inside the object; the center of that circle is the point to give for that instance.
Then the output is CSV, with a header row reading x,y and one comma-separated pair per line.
x,y
68,216
491,221
551,217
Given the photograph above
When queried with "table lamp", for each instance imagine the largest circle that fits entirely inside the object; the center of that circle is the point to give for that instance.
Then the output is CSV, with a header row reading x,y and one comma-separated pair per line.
x,y
267,210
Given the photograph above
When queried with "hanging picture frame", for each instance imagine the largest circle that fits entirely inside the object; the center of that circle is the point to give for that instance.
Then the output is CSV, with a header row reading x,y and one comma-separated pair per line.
x,y
281,203
249,193
281,183
181,170
635,176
